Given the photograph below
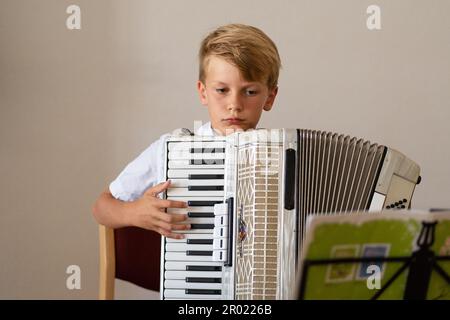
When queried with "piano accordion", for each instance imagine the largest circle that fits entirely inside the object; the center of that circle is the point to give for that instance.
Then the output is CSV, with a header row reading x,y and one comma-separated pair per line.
x,y
249,195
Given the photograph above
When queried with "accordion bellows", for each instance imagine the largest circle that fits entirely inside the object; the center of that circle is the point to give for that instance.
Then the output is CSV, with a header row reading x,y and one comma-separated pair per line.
x,y
249,195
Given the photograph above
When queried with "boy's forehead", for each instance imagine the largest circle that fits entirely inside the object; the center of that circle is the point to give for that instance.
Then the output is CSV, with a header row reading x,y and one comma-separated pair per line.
x,y
221,67
220,71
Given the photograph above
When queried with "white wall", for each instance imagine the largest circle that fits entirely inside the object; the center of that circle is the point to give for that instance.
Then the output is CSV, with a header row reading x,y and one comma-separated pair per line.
x,y
77,105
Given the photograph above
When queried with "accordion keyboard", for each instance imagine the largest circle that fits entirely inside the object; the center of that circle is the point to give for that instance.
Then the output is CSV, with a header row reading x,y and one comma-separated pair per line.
x,y
196,170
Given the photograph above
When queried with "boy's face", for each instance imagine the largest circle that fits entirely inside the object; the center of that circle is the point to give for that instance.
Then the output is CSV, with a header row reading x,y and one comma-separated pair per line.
x,y
233,103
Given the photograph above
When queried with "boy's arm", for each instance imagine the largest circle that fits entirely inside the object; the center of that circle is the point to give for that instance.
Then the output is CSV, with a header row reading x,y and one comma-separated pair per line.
x,y
148,212
111,212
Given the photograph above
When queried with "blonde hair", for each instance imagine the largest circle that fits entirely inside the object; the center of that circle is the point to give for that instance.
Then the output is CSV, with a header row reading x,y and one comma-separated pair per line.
x,y
246,47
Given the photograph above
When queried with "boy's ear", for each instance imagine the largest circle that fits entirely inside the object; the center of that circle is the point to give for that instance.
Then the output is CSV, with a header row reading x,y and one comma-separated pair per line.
x,y
270,99
202,93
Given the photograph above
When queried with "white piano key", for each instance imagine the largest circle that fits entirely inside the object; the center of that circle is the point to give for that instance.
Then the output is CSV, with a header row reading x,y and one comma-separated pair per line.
x,y
184,192
186,199
184,174
182,284
220,244
181,164
221,221
198,228
182,265
180,294
220,232
184,247
221,209
192,236
219,255
182,256
197,161
193,231
186,154
184,183
187,145
191,209
200,220
173,275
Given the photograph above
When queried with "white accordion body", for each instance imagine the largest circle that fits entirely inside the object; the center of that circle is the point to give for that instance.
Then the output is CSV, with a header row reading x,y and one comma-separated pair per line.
x,y
249,195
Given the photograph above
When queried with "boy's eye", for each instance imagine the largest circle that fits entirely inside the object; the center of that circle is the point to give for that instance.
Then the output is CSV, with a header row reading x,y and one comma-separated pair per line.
x,y
221,90
251,92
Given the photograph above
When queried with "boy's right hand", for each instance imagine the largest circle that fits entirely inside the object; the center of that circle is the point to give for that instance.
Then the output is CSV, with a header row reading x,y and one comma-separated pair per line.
x,y
149,213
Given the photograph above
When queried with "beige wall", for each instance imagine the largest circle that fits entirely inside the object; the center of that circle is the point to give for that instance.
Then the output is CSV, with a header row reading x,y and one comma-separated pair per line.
x,y
76,106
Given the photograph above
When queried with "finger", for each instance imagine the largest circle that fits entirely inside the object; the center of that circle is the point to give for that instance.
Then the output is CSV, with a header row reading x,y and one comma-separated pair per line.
x,y
181,227
164,226
173,217
171,227
174,210
172,204
168,234
175,235
160,187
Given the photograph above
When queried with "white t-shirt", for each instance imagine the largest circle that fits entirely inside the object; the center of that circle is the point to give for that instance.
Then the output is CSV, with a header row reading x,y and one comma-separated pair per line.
x,y
147,169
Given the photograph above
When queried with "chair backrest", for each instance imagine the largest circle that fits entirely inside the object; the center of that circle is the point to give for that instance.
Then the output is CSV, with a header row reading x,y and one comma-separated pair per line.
x,y
131,254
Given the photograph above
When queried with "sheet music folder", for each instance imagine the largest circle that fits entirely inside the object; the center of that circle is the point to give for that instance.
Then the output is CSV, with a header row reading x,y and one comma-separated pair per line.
x,y
401,255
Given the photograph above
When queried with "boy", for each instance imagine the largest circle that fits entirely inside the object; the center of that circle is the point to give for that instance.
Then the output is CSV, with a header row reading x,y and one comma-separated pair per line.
x,y
239,67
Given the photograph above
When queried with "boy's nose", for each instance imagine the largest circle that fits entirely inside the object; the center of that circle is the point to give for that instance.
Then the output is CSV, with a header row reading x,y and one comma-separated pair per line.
x,y
234,107
234,104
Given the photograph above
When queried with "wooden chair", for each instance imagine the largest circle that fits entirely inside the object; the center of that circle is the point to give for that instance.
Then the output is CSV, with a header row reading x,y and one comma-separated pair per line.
x,y
131,254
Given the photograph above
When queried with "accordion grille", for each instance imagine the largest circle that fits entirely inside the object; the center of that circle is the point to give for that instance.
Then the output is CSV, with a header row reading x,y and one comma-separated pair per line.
x,y
257,207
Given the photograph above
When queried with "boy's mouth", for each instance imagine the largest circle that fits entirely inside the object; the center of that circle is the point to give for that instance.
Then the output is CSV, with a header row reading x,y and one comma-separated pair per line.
x,y
233,120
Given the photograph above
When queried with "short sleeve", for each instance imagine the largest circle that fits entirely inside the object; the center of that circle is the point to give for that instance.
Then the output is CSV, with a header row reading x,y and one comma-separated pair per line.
x,y
142,173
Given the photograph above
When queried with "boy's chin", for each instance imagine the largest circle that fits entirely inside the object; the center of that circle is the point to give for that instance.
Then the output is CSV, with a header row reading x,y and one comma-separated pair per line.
x,y
234,128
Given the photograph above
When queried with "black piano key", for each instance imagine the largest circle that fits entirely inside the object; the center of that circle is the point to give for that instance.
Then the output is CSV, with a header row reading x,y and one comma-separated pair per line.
x,y
199,253
202,226
200,214
205,176
205,188
202,291
207,161
203,280
196,203
199,241
203,268
207,150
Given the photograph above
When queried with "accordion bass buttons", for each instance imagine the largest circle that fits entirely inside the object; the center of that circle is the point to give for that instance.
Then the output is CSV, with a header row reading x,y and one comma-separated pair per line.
x,y
220,235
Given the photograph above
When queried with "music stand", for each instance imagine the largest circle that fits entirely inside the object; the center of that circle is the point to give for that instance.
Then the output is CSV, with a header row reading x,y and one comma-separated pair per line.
x,y
423,271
